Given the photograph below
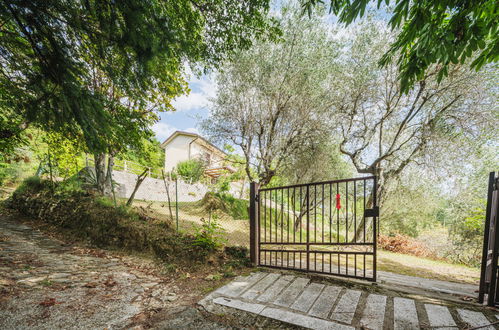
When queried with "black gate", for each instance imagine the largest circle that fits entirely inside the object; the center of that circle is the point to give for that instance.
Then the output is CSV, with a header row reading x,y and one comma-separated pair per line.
x,y
323,227
489,271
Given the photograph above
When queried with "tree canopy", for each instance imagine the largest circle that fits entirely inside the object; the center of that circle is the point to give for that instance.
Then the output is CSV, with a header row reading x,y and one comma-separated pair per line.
x,y
272,98
431,32
77,66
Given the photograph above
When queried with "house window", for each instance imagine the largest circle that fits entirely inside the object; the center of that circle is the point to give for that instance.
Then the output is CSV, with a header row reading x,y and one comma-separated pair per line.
x,y
206,159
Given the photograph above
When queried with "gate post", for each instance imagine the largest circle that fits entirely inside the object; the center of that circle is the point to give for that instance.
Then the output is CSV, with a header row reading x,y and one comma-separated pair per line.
x,y
482,289
254,230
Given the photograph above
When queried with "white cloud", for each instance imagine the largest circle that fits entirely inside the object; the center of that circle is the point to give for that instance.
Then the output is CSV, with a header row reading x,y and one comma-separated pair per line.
x,y
163,130
202,90
189,102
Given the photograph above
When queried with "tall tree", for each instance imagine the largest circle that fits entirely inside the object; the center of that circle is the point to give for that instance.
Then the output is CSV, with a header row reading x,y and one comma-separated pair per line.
x,y
51,52
441,33
272,98
384,130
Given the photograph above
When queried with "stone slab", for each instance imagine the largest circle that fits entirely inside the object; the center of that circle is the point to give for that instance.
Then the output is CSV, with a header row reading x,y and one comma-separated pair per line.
x,y
289,295
439,317
405,314
347,305
271,293
238,304
373,315
302,320
474,319
308,297
325,302
260,286
238,286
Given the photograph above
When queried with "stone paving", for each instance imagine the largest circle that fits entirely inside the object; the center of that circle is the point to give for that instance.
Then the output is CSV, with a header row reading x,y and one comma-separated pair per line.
x,y
46,284
301,302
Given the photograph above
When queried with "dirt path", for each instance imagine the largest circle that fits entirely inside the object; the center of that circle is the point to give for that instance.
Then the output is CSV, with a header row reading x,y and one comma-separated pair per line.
x,y
47,284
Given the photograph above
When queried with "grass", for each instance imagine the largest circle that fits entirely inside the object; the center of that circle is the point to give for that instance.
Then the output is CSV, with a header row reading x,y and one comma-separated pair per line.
x,y
237,233
427,268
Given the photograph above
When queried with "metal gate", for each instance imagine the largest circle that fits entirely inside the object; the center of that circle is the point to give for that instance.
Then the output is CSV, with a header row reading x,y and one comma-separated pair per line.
x,y
324,227
489,277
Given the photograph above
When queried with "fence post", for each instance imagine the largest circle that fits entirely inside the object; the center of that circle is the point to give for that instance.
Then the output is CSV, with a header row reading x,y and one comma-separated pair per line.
x,y
253,215
125,168
176,201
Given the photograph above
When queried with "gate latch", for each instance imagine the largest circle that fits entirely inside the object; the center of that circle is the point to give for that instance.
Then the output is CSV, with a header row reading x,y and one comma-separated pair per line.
x,y
370,213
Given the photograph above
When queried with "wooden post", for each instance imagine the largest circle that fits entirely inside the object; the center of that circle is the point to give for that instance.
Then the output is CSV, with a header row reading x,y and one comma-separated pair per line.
x,y
253,215
176,201
125,168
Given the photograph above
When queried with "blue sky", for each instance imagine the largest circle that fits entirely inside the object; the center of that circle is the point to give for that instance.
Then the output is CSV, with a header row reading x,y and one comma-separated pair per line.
x,y
191,108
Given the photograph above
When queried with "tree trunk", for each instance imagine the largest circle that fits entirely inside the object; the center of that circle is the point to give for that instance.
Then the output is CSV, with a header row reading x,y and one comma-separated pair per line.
x,y
100,171
108,181
103,174
140,179
367,222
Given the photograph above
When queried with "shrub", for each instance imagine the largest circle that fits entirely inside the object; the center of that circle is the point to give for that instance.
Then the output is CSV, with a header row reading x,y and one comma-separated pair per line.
x,y
404,244
192,170
31,184
209,236
236,208
83,216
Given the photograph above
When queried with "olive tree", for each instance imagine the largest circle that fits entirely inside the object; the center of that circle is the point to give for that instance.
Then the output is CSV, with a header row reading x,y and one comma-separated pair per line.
x,y
272,98
382,129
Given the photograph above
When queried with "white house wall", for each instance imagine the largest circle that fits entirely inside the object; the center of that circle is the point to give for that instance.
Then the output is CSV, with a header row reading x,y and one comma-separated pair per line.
x,y
177,151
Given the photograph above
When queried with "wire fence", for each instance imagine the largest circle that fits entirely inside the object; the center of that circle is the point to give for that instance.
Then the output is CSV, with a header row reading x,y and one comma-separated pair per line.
x,y
191,207
194,207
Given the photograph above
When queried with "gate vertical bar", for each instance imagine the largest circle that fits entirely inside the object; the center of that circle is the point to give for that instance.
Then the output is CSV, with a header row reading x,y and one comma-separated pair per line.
x,y
254,225
482,288
375,235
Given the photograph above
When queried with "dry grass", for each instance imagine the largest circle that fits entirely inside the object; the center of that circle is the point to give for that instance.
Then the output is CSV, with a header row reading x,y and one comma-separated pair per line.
x,y
428,268
237,233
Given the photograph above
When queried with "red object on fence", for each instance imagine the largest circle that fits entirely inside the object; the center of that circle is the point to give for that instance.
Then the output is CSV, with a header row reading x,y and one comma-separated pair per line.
x,y
338,203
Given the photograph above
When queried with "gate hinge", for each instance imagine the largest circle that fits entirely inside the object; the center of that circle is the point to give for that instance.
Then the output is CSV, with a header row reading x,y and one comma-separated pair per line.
x,y
369,213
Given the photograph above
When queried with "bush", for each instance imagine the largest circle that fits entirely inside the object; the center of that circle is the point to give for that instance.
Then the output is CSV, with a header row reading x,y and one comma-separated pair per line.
x,y
191,170
82,216
404,244
236,208
209,235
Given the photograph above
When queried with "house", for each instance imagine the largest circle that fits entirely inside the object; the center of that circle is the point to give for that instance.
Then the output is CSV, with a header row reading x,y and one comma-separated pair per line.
x,y
182,146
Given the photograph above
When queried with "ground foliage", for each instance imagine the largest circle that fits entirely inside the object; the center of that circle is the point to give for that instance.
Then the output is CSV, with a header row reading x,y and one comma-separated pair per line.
x,y
404,244
95,220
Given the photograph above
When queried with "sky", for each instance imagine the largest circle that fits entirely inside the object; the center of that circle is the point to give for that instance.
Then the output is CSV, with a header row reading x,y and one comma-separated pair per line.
x,y
190,109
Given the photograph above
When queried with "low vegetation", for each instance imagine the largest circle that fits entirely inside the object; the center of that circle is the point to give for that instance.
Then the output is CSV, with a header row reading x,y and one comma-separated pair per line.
x,y
86,217
190,170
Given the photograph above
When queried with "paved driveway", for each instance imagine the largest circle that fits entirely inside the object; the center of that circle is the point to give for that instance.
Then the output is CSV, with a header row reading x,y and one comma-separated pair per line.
x,y
299,301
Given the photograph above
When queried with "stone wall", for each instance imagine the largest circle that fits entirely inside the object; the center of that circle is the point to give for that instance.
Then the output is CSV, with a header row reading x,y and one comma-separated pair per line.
x,y
155,190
